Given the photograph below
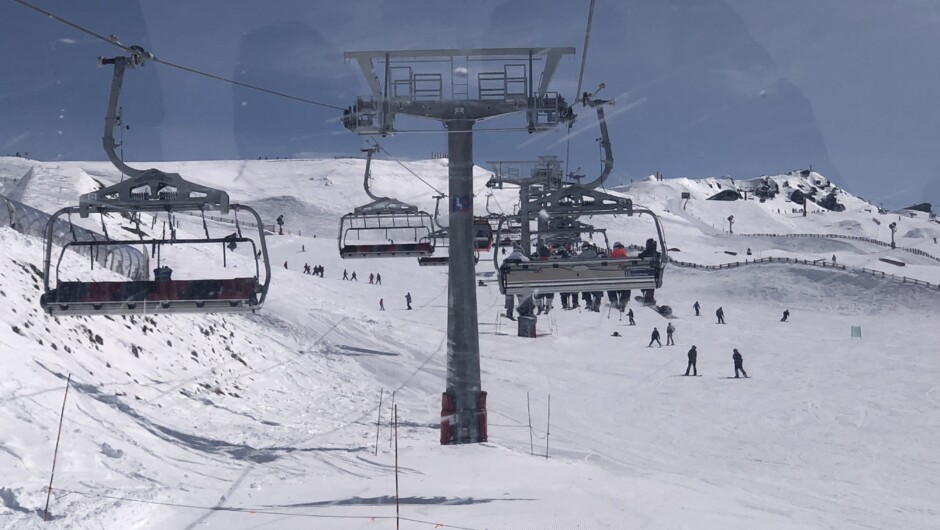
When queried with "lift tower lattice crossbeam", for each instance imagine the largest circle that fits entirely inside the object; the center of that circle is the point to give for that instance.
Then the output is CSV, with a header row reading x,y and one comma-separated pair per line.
x,y
459,88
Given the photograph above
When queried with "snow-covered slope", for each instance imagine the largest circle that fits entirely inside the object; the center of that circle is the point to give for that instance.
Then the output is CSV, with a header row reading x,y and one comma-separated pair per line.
x,y
269,420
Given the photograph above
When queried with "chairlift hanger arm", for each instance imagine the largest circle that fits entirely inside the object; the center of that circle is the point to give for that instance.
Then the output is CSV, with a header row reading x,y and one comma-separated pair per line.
x,y
136,58
598,105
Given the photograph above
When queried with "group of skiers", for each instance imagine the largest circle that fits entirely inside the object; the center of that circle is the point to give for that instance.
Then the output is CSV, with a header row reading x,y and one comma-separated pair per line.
x,y
316,270
735,357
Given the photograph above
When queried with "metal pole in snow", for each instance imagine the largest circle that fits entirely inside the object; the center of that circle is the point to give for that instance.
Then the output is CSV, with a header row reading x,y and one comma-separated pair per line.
x,y
391,420
397,518
378,421
531,442
548,425
45,513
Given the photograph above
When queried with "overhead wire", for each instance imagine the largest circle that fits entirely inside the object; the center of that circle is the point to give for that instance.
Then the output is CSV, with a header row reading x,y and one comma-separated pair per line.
x,y
113,40
408,169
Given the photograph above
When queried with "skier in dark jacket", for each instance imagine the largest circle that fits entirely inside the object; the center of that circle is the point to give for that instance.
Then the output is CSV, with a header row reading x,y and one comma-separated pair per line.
x,y
696,307
693,356
720,313
408,300
786,315
655,338
630,316
738,363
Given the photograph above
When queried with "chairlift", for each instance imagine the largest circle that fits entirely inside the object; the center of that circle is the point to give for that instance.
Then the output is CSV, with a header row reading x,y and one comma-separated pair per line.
x,y
574,274
385,227
482,234
152,191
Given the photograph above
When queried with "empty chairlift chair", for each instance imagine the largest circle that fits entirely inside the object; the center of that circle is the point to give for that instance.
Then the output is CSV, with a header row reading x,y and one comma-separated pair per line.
x,y
151,191
384,228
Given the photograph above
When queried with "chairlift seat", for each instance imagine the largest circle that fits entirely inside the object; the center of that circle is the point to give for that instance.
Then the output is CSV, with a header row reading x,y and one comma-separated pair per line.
x,y
426,261
153,297
396,250
575,275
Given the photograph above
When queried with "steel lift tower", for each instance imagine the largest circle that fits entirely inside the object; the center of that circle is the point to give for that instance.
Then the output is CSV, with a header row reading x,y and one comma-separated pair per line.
x,y
459,88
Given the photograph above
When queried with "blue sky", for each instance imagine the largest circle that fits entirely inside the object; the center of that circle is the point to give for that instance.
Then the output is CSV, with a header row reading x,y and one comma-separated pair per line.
x,y
704,87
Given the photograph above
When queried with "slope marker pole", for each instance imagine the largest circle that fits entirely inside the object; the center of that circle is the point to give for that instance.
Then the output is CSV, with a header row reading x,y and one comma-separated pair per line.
x,y
55,454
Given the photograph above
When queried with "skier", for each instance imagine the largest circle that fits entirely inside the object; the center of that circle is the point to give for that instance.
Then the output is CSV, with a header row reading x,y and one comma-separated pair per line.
x,y
833,259
786,315
285,264
378,279
669,331
738,363
696,307
720,313
345,275
280,224
408,300
353,277
654,338
306,268
381,304
630,316
693,356
371,278
303,248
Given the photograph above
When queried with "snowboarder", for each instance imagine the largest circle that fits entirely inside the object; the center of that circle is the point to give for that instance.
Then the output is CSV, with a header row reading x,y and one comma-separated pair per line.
x,y
693,356
381,304
654,338
378,279
786,315
371,278
353,277
408,300
696,307
630,316
345,275
738,363
669,331
720,313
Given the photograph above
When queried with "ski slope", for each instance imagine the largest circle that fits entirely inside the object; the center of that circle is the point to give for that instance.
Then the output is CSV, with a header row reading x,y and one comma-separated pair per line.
x,y
269,420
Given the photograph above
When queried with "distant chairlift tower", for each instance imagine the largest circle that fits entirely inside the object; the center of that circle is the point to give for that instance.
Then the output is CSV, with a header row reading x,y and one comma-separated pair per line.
x,y
459,88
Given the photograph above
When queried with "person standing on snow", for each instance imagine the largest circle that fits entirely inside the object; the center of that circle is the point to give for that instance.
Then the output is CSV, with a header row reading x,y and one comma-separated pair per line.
x,y
378,279
371,278
381,304
738,363
630,316
696,307
345,275
353,277
693,357
720,313
408,300
654,338
669,331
